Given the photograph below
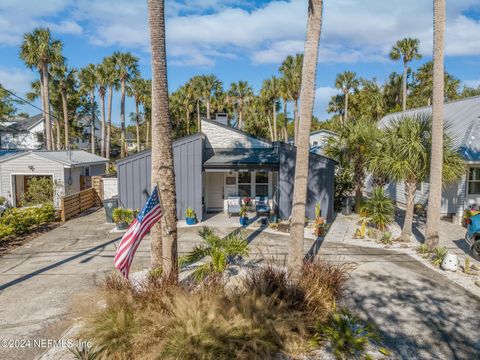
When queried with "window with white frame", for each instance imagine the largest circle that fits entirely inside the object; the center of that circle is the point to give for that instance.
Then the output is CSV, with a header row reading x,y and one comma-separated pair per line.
x,y
261,183
474,181
245,184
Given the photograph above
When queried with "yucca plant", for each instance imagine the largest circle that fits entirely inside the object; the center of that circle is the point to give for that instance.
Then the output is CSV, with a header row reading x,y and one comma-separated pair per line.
x,y
348,335
85,353
423,250
379,209
438,255
219,251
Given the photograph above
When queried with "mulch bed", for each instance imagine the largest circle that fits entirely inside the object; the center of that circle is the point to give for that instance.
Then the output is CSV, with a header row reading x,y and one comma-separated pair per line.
x,y
8,244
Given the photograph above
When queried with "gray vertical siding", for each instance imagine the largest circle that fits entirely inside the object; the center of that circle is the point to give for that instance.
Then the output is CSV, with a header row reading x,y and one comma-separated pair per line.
x,y
134,174
321,178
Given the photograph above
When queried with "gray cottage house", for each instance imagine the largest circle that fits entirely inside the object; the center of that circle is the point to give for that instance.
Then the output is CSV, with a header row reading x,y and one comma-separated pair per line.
x,y
68,170
462,118
222,161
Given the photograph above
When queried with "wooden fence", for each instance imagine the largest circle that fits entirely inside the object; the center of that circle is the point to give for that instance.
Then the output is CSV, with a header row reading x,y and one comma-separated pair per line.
x,y
74,204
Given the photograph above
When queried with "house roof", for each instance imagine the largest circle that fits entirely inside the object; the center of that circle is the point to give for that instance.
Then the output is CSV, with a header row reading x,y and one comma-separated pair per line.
x,y
243,157
22,124
244,133
462,118
329,132
69,158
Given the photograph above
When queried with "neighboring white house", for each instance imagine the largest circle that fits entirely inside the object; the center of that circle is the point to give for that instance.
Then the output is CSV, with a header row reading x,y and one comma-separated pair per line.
x,y
22,133
319,139
462,118
69,170
83,140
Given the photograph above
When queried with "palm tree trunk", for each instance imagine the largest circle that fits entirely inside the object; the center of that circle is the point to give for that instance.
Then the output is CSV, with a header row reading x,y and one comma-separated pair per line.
x,y
435,190
207,102
147,136
137,125
307,94
345,111
46,107
274,120
270,128
410,189
65,119
162,153
92,122
188,121
122,121
199,121
59,134
109,122
404,87
295,121
102,140
284,126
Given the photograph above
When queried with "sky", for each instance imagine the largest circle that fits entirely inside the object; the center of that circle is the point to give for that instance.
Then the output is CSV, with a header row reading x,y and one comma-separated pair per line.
x,y
241,40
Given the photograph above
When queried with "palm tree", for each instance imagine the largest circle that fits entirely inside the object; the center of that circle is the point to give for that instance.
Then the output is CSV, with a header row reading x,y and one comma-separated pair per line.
x,y
291,69
210,85
196,86
39,50
403,154
88,84
164,244
346,81
147,106
136,90
285,95
126,66
108,65
435,190
187,98
239,95
65,79
271,92
103,81
307,95
406,50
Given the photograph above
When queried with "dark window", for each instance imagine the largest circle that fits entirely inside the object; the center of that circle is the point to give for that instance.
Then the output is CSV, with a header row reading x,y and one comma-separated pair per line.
x,y
245,184
474,181
261,184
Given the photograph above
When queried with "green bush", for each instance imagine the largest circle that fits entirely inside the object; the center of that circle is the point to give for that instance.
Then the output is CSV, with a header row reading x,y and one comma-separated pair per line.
x,y
40,191
190,213
17,221
438,255
379,209
120,215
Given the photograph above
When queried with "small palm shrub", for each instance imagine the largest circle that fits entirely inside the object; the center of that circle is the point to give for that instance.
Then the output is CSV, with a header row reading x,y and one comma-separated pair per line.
x,y
379,209
348,335
438,255
386,238
423,249
121,215
190,213
219,252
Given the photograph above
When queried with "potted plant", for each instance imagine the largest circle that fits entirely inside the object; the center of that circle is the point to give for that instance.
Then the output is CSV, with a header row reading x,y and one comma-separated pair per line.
x,y
191,216
122,217
248,203
243,216
319,227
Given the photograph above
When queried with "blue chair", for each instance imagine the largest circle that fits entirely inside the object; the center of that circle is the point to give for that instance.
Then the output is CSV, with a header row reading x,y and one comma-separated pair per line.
x,y
261,205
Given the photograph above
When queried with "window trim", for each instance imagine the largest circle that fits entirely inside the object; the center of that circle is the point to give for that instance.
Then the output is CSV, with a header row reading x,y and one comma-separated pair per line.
x,y
469,182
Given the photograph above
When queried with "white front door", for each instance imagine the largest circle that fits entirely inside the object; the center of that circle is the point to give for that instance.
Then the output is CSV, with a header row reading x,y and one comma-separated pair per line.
x,y
214,194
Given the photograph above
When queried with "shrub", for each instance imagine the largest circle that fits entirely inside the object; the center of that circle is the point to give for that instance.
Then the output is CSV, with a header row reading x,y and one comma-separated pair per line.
x,y
3,201
18,221
386,238
243,211
348,335
438,255
40,191
220,251
190,213
379,209
466,269
423,249
120,215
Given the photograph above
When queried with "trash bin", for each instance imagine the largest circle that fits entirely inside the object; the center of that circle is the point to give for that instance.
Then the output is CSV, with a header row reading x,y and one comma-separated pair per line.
x,y
347,204
109,205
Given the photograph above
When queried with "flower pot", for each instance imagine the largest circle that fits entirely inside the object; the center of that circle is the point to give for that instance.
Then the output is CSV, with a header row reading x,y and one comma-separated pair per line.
x,y
122,225
191,220
244,221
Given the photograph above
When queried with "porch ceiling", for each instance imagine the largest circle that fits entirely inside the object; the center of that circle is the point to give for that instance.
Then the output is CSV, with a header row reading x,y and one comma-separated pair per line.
x,y
243,159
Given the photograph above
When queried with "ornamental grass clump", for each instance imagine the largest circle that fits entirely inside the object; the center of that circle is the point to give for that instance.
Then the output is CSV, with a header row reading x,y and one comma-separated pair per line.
x,y
379,209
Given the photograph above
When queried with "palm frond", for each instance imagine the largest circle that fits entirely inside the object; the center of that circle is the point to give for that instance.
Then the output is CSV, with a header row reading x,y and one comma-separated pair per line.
x,y
202,271
197,254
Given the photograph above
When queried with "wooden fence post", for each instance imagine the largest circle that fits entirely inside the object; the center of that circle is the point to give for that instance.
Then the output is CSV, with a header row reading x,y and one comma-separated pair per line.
x,y
62,204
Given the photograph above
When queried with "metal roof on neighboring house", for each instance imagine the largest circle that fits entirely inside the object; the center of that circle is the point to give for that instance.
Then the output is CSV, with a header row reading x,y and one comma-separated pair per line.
x,y
22,124
70,158
462,118
238,157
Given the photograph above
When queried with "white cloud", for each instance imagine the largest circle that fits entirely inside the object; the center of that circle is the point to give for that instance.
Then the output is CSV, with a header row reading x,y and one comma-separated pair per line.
x,y
323,95
17,80
472,83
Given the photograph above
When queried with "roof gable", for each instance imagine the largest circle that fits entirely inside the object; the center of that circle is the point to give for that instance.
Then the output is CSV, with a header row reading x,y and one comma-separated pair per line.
x,y
220,136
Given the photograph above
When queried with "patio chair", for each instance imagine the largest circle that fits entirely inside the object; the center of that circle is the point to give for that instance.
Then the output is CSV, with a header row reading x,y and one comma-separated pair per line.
x,y
234,204
261,205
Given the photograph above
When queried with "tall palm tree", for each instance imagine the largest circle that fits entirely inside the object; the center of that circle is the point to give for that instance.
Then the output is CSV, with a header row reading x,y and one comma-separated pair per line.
x,y
136,90
65,78
88,84
307,95
126,66
108,65
405,50
346,82
187,98
164,245
271,92
39,50
403,154
291,69
239,95
196,85
285,95
103,81
210,85
435,189
147,109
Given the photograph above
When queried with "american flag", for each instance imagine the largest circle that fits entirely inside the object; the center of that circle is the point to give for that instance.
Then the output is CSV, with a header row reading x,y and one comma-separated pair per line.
x,y
150,214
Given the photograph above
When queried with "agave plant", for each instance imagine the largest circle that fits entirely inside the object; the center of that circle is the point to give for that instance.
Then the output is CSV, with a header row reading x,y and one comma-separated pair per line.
x,y
219,251
438,255
380,209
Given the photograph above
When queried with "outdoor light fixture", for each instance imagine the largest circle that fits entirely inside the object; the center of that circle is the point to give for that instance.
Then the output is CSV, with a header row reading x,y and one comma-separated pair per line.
x,y
31,167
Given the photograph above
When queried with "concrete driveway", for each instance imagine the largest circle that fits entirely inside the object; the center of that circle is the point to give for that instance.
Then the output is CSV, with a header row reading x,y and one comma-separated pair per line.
x,y
421,314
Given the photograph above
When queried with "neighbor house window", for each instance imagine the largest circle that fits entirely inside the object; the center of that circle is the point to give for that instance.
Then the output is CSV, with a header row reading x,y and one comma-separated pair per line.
x,y
244,184
474,181
261,183
315,143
